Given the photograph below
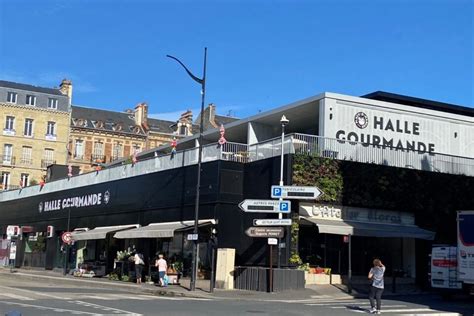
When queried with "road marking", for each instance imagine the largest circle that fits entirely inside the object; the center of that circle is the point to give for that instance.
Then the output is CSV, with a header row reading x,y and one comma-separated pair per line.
x,y
431,314
17,297
34,292
48,308
358,305
114,310
411,310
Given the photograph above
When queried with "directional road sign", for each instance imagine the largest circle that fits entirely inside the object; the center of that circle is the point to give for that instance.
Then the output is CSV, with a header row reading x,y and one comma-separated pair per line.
x,y
295,192
267,232
265,206
272,222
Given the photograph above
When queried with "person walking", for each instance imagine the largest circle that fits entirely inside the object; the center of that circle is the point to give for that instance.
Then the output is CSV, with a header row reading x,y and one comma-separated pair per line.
x,y
376,289
139,263
162,268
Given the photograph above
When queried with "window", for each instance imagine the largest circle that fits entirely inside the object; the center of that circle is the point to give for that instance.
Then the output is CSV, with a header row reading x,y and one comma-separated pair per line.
x,y
98,152
30,100
183,130
79,149
7,154
50,128
52,103
48,158
11,97
26,154
24,180
118,151
5,180
10,123
28,127
136,149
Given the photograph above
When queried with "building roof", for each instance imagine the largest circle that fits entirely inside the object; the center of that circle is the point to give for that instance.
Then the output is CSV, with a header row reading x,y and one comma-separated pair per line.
x,y
27,87
421,103
118,122
161,126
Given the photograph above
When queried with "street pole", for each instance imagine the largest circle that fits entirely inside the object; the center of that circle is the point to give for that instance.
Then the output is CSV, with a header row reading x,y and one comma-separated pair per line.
x,y
284,121
66,254
271,269
198,184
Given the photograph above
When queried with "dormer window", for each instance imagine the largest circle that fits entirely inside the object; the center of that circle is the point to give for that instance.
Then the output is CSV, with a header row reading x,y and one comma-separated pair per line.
x,y
183,130
11,97
52,103
31,100
136,130
99,124
117,127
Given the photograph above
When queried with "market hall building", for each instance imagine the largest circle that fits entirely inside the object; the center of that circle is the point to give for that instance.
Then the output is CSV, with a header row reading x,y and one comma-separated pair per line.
x,y
393,169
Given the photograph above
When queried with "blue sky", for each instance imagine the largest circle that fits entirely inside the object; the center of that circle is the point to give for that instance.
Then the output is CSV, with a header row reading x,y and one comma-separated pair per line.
x,y
261,54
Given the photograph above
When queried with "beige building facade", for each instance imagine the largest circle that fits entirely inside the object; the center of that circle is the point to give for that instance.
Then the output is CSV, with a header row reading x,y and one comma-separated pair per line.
x,y
35,131
99,137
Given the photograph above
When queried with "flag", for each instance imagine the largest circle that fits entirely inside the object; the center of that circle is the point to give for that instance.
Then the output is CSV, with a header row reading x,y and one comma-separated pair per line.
x,y
222,139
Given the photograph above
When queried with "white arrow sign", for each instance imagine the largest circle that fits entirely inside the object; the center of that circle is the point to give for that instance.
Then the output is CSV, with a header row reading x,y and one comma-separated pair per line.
x,y
272,222
265,206
295,192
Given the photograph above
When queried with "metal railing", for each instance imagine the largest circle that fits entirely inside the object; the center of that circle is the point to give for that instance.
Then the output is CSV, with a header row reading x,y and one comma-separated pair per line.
x,y
7,160
98,158
380,155
26,161
47,162
243,153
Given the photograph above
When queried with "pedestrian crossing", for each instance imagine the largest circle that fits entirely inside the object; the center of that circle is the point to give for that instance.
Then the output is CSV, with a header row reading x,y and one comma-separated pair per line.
x,y
362,306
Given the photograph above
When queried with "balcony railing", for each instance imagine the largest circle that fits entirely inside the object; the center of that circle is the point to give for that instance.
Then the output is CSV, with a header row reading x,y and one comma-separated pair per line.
x,y
7,160
47,162
363,153
26,161
78,157
98,159
114,158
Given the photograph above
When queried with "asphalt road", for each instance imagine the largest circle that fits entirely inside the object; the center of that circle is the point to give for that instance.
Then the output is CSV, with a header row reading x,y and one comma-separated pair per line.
x,y
46,298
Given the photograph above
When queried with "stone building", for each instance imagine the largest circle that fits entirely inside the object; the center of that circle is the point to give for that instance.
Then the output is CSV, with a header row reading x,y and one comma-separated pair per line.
x,y
35,131
102,136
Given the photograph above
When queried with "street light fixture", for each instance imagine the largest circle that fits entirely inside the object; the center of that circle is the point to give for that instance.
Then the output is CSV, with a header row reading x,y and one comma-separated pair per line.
x,y
198,184
284,121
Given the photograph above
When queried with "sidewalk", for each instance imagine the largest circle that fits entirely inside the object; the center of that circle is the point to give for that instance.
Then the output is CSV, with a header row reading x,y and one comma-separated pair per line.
x,y
202,288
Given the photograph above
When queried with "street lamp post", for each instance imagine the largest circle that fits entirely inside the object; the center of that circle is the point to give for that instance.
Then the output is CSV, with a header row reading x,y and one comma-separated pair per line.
x,y
284,121
198,184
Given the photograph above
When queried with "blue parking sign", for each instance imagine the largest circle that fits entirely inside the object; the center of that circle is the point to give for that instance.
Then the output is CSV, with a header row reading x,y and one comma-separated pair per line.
x,y
276,191
284,207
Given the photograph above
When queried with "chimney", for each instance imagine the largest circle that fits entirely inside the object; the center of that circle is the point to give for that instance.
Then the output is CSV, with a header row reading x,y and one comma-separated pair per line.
x,y
66,88
141,114
212,114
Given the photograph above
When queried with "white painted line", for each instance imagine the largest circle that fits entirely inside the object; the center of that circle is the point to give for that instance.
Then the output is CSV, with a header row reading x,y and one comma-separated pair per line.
x,y
47,308
17,297
416,310
435,314
349,306
110,308
13,289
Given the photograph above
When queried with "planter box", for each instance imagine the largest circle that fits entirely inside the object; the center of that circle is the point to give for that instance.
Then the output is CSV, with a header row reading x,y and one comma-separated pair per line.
x,y
322,278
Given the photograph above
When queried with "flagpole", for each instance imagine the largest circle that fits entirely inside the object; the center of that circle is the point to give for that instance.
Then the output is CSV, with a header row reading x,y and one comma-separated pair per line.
x,y
198,183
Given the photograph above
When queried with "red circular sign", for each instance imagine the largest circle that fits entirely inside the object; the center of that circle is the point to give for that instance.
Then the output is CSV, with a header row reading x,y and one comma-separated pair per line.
x,y
66,237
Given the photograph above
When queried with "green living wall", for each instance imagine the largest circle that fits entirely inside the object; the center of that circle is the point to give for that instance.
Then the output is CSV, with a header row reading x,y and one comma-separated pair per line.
x,y
433,197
